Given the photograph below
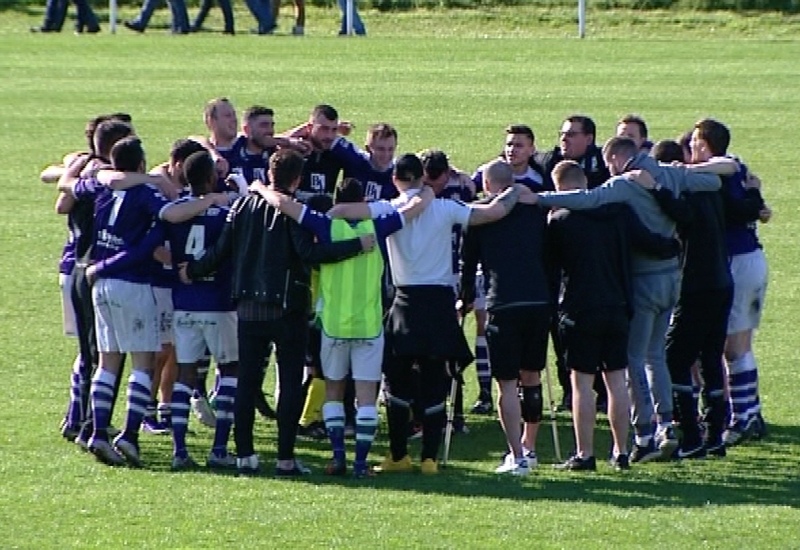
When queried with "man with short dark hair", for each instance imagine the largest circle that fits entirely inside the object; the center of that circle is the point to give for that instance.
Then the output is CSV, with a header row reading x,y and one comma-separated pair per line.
x,y
634,127
270,254
577,141
321,169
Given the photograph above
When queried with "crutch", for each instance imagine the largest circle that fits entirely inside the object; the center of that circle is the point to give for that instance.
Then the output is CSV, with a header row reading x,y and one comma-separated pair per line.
x,y
451,413
556,443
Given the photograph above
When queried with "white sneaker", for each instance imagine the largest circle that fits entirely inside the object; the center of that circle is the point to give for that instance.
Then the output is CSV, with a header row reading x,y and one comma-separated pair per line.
x,y
202,410
533,460
247,465
516,467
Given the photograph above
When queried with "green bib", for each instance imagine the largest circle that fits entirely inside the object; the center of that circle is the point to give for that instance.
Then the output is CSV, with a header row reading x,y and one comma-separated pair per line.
x,y
351,290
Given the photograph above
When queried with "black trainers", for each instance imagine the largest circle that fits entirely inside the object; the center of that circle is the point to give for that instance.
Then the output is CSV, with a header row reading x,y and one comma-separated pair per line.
x,y
483,406
644,453
690,451
576,464
620,463
757,427
716,448
315,431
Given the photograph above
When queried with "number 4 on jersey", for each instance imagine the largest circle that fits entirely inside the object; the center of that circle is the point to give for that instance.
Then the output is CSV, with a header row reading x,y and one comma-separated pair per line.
x,y
196,242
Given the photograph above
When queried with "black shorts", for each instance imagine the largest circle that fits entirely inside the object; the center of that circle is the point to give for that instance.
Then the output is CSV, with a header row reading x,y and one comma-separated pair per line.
x,y
596,339
517,340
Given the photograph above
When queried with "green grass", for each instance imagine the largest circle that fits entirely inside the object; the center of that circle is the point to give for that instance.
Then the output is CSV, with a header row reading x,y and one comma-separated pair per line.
x,y
445,89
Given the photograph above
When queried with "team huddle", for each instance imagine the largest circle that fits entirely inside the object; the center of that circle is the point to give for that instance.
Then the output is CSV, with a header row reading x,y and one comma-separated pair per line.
x,y
355,267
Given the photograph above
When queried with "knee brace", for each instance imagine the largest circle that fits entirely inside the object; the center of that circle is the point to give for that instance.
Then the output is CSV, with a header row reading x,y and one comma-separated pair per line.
x,y
531,403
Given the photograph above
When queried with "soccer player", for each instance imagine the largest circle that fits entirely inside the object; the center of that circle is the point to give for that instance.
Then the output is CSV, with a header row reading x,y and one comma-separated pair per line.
x,y
270,254
205,317
422,328
635,128
125,310
351,313
577,142
592,248
699,322
518,152
744,207
321,169
656,285
373,166
512,250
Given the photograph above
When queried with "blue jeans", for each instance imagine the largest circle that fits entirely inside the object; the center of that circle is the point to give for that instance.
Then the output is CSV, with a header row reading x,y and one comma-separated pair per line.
x,y
205,7
180,17
358,24
262,11
654,297
56,13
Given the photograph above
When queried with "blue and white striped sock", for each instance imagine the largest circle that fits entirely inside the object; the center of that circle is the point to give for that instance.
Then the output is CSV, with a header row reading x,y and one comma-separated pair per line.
x,y
482,365
102,396
75,412
333,415
138,400
181,395
742,382
366,426
225,399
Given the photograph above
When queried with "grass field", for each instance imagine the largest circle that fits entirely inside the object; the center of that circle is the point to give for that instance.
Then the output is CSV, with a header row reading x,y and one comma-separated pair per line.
x,y
427,74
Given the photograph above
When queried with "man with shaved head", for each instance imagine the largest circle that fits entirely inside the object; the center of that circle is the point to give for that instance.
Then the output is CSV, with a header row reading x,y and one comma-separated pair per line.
x,y
512,250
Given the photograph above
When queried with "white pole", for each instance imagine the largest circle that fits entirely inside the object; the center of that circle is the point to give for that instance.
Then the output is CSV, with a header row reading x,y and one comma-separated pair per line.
x,y
112,16
581,18
349,18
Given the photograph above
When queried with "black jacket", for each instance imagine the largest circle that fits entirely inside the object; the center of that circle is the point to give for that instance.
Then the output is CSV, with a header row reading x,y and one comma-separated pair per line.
x,y
592,247
701,225
512,253
592,163
270,254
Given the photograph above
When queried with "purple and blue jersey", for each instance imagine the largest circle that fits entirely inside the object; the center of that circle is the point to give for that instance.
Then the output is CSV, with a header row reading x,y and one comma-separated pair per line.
x,y
189,241
741,212
253,166
122,219
67,263
356,164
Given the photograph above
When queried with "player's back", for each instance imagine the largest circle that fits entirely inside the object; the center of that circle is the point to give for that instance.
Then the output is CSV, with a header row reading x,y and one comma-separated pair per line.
x,y
189,240
122,218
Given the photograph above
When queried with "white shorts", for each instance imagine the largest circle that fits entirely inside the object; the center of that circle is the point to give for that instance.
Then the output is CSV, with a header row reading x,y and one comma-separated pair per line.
x,y
363,357
749,291
165,312
197,330
67,311
126,317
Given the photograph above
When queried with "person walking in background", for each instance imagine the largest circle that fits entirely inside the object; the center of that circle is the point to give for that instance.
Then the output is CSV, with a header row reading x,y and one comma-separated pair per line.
x,y
56,12
358,24
299,15
205,7
180,18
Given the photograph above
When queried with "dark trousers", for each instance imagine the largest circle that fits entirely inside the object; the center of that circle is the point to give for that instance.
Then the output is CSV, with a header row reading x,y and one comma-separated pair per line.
x,y
180,18
288,333
698,331
56,13
205,7
428,393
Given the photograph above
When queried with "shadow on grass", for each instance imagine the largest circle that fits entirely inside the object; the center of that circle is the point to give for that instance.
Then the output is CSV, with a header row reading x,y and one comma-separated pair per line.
x,y
757,473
